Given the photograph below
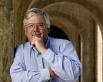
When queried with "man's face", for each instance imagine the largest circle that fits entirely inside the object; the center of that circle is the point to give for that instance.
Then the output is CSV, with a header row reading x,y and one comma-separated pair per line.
x,y
36,27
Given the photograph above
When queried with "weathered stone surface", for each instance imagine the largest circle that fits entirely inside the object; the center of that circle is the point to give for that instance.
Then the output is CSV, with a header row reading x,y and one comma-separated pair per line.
x,y
6,40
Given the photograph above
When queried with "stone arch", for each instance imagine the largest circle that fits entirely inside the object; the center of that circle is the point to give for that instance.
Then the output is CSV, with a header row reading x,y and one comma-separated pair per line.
x,y
93,6
56,9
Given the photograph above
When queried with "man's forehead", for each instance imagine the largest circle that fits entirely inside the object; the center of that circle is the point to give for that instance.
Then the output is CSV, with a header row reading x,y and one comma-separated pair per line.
x,y
36,19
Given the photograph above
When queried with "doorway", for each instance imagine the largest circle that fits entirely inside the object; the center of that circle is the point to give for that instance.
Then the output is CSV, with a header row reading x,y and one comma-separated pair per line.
x,y
57,33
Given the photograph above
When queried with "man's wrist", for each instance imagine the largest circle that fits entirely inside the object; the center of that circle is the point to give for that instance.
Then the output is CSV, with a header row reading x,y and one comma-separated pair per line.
x,y
43,50
52,73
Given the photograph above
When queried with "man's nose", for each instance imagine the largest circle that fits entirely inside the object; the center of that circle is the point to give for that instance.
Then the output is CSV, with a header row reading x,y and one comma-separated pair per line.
x,y
35,28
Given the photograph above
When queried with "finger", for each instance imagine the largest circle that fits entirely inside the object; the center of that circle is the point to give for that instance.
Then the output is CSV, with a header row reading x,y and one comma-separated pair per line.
x,y
33,41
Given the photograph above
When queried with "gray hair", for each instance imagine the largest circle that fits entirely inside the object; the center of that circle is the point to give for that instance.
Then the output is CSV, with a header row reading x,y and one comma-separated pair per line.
x,y
36,11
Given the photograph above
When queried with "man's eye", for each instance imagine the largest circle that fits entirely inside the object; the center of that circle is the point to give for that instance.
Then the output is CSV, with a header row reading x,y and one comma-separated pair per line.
x,y
41,25
30,25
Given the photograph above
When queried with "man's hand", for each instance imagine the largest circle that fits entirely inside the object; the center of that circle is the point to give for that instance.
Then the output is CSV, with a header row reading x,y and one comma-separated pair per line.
x,y
38,43
52,73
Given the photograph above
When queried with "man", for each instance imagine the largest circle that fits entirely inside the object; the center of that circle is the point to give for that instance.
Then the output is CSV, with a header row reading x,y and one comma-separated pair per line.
x,y
43,58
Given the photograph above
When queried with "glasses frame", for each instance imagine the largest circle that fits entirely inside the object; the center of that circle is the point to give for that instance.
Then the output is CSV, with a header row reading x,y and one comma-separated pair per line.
x,y
31,26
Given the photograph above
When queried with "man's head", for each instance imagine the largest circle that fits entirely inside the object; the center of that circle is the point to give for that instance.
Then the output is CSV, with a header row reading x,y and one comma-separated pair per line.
x,y
36,23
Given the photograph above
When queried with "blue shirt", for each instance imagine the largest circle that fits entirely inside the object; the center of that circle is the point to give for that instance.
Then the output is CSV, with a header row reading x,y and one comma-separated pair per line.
x,y
30,66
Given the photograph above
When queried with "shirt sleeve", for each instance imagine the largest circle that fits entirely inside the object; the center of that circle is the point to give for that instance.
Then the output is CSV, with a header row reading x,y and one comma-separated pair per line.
x,y
19,73
64,63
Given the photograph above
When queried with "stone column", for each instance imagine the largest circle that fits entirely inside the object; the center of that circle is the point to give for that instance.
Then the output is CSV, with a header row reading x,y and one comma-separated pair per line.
x,y
6,39
88,53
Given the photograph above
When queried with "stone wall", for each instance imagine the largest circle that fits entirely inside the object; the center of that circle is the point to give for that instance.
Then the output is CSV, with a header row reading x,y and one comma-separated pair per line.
x,y
6,39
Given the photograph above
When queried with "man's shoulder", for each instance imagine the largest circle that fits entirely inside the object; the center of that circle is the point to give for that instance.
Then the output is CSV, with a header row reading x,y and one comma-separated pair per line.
x,y
58,44
23,45
59,40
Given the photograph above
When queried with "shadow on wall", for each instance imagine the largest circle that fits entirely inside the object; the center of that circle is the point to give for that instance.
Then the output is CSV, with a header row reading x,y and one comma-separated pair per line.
x,y
57,33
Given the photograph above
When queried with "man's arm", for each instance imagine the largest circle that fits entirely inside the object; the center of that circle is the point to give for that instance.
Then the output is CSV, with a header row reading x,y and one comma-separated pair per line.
x,y
40,47
65,64
19,72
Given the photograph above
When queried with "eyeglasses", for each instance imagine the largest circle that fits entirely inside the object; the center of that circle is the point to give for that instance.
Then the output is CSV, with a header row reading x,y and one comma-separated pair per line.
x,y
36,25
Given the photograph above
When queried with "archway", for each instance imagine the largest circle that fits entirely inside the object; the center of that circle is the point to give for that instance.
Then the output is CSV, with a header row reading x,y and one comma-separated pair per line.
x,y
82,18
57,33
